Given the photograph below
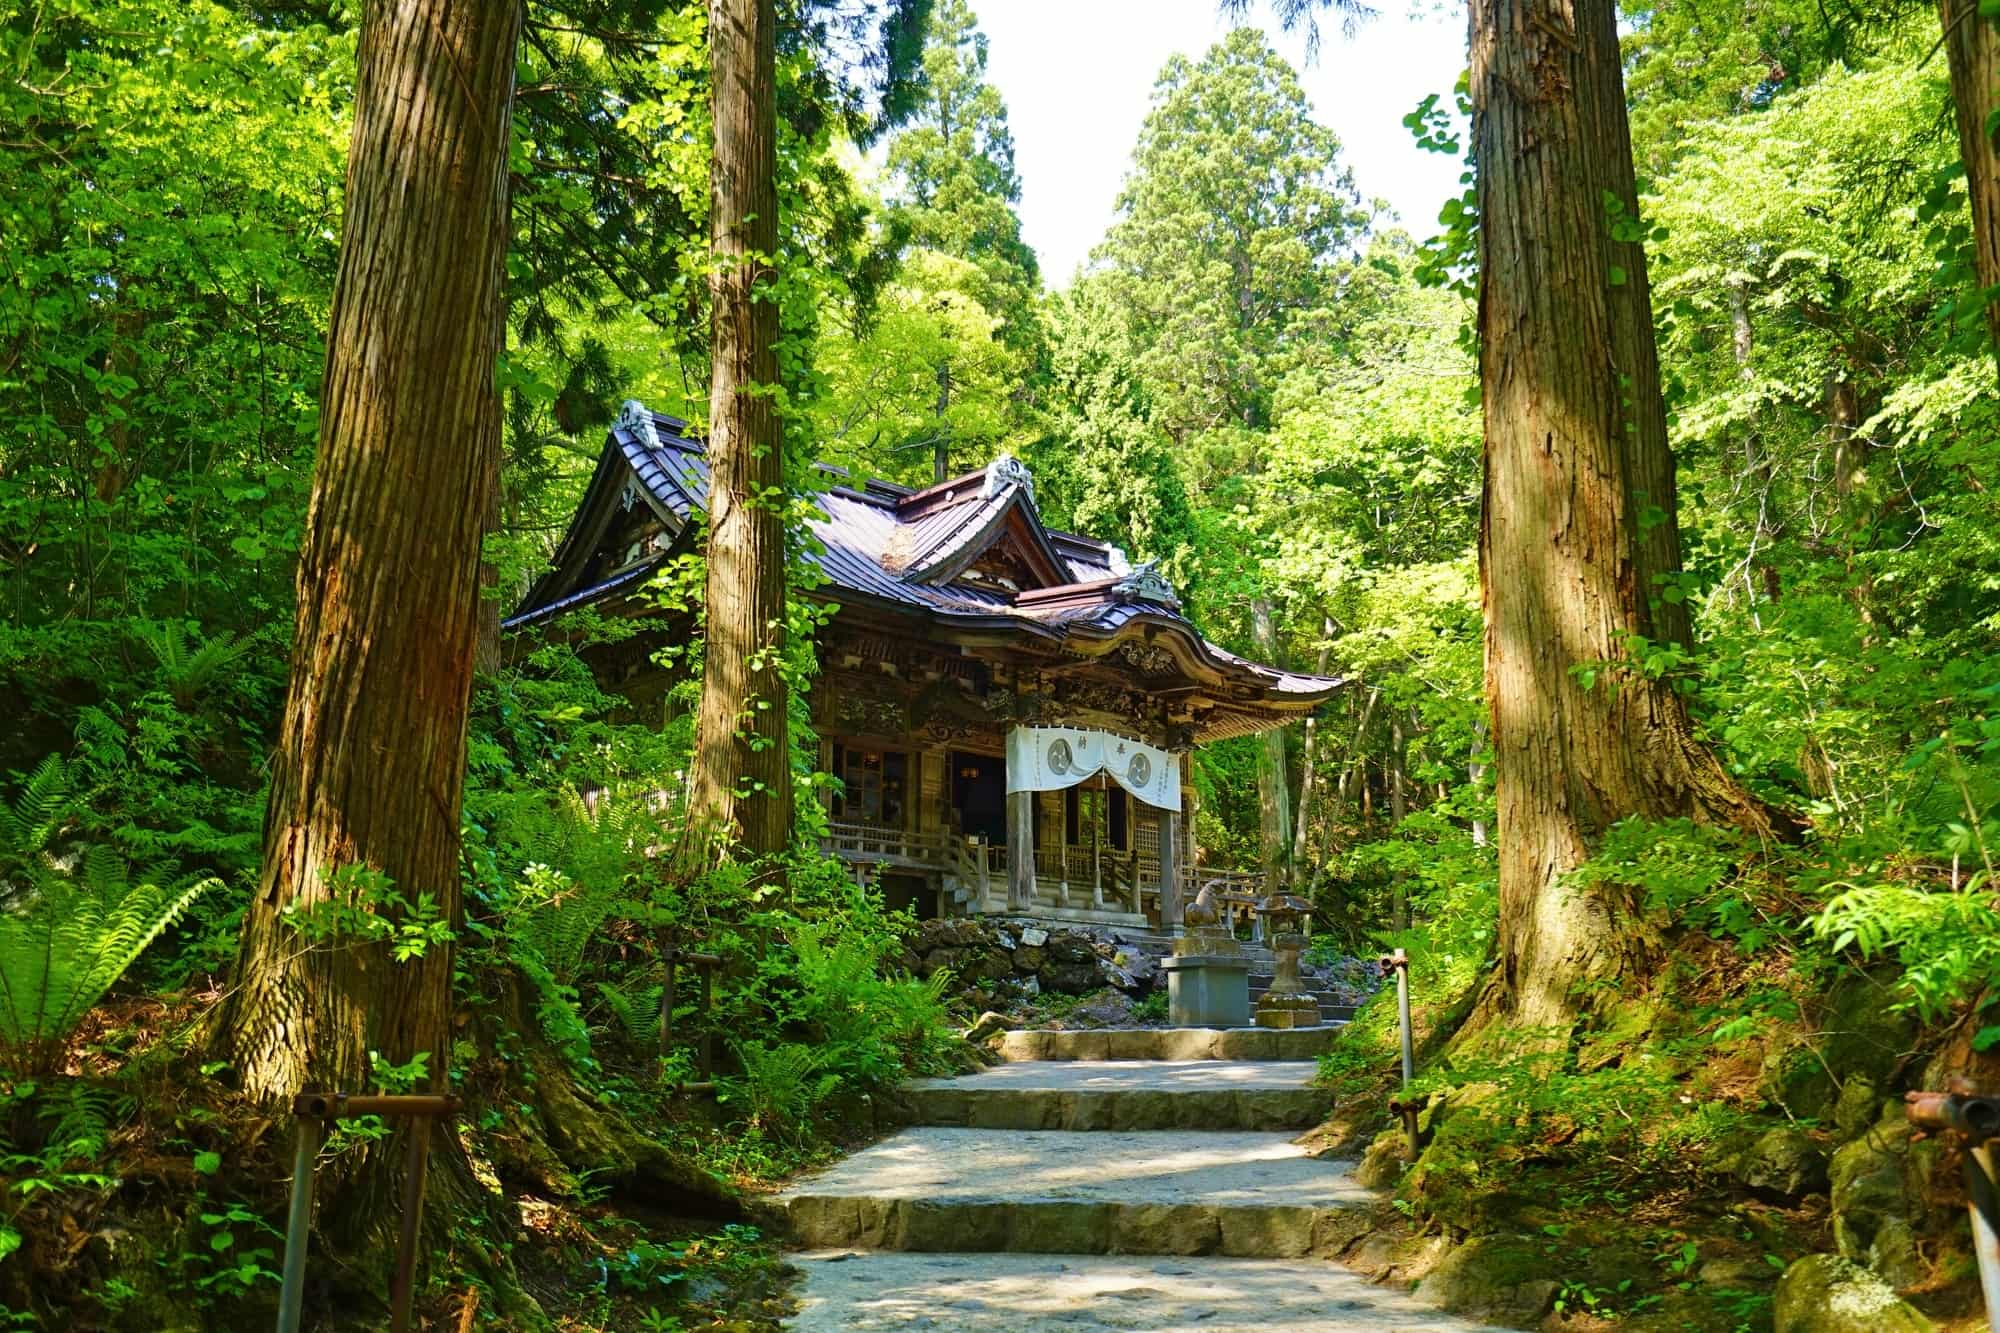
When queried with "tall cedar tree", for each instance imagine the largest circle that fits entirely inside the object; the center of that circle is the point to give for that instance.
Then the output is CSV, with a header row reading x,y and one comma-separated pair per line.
x,y
742,778
363,811
1578,538
1972,46
953,169
1579,544
1235,229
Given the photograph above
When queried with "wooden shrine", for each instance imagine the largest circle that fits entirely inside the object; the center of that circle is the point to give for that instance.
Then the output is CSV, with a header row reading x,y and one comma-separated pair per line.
x,y
971,645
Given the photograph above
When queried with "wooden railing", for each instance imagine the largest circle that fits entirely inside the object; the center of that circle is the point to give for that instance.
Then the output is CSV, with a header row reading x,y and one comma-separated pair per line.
x,y
869,842
1067,877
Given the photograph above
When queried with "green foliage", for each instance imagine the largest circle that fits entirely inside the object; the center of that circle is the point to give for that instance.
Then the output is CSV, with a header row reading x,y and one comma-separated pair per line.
x,y
75,920
237,1251
780,1086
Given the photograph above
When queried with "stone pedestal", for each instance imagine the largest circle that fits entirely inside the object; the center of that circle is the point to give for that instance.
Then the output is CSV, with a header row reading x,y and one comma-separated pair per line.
x,y
1208,980
1286,1005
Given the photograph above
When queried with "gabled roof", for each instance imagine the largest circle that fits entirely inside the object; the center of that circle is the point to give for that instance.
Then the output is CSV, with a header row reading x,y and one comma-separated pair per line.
x,y
905,551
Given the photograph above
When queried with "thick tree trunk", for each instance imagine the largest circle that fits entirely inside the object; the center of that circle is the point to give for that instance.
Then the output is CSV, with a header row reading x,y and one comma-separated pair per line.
x,y
366,783
1309,771
1475,772
742,778
1273,787
1972,47
1578,508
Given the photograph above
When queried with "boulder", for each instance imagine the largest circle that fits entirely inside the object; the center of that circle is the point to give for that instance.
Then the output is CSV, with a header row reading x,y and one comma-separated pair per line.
x,y
1824,1293
1382,1164
1873,1205
1068,978
1034,937
987,965
1500,1276
1068,948
1860,1102
939,958
1785,1162
1117,976
1029,958
1861,1035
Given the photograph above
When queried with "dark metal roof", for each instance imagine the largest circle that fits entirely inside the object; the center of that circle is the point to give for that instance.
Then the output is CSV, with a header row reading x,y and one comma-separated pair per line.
x,y
900,549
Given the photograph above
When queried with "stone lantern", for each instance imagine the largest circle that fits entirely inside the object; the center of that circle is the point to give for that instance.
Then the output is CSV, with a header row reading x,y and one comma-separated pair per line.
x,y
1286,1004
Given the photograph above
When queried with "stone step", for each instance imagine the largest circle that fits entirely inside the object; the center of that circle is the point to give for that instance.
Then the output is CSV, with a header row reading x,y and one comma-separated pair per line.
x,y
1122,1095
1245,1195
1022,1293
1169,1044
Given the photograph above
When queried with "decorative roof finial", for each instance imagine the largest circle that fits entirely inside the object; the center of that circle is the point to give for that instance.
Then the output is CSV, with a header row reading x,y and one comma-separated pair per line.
x,y
636,418
1004,471
1146,584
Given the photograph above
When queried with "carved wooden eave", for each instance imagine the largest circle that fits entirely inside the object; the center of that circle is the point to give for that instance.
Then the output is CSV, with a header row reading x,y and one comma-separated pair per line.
x,y
966,565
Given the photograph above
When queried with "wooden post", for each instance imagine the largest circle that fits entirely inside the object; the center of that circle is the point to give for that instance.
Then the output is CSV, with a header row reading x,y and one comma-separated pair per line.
x,y
1170,871
1097,858
1020,850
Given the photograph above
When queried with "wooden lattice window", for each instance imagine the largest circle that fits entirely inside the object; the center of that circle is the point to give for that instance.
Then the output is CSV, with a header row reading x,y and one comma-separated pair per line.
x,y
875,786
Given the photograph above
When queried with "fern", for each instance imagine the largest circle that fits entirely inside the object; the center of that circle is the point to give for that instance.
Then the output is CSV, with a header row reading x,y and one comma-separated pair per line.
x,y
188,671
578,859
636,1012
74,934
781,1084
29,825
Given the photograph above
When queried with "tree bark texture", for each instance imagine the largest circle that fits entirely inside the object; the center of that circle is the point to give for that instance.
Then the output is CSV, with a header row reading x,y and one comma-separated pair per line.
x,y
1273,786
370,764
1309,766
742,777
1972,48
1576,465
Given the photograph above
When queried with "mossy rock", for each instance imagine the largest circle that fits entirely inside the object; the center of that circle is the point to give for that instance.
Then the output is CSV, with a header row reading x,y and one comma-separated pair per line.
x,y
1784,1162
1382,1163
1877,1199
1824,1293
1860,1035
1502,1277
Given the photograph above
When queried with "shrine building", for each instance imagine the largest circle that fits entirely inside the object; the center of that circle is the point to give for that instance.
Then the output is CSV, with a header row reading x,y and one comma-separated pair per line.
x,y
1009,708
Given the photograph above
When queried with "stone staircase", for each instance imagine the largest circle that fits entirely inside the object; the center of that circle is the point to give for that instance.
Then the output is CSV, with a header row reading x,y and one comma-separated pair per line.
x,y
1124,1179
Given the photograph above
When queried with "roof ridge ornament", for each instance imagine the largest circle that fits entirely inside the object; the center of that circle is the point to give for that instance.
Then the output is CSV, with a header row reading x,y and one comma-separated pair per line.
x,y
637,418
1005,471
1145,583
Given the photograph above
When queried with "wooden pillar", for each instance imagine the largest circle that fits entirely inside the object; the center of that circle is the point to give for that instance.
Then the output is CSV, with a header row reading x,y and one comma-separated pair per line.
x,y
1170,871
1020,850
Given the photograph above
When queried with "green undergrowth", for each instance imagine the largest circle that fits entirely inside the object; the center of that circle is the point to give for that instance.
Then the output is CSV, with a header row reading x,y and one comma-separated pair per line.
x,y
599,1179
1665,1159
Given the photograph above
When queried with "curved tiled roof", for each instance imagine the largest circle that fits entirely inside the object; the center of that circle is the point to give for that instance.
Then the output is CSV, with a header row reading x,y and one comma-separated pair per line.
x,y
903,550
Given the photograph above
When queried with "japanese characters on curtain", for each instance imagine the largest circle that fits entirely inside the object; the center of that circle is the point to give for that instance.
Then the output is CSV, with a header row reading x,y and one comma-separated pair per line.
x,y
1052,758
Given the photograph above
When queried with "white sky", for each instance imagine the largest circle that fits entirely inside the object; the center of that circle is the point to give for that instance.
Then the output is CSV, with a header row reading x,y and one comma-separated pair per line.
x,y
1077,76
